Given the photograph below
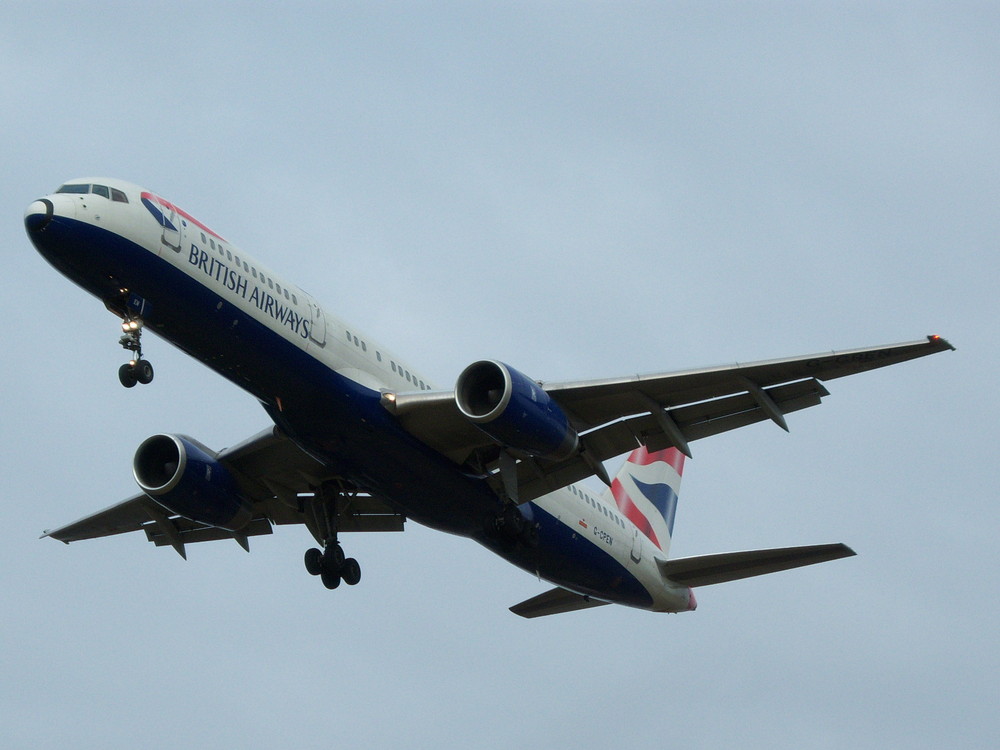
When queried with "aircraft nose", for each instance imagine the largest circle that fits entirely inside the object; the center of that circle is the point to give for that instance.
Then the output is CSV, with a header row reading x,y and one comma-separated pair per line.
x,y
38,215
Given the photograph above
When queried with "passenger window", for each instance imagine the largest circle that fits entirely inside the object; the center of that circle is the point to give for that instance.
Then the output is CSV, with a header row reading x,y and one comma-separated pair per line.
x,y
204,239
254,272
270,283
278,288
364,346
348,335
228,254
118,196
378,355
100,190
294,301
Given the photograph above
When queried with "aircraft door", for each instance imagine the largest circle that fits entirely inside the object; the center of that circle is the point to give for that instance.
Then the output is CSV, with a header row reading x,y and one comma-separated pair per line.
x,y
317,331
636,553
171,228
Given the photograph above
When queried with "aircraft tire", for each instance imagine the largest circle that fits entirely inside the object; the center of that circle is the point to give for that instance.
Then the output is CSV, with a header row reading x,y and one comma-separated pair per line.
x,y
333,556
330,579
314,561
351,572
126,375
143,372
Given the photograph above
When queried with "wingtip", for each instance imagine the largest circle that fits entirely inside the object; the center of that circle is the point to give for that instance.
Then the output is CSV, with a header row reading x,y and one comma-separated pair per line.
x,y
935,339
49,533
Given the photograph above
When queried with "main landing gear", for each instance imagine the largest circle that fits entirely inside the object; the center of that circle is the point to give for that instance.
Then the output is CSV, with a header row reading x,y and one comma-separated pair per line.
x,y
332,566
137,370
329,563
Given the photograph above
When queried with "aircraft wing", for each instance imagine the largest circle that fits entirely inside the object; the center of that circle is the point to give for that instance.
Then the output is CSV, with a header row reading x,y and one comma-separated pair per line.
x,y
272,472
670,409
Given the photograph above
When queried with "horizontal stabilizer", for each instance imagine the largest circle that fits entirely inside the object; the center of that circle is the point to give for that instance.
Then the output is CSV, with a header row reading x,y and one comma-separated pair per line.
x,y
704,570
554,602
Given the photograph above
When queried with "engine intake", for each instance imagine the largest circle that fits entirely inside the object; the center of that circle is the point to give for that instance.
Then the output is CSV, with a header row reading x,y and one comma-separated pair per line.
x,y
514,411
184,477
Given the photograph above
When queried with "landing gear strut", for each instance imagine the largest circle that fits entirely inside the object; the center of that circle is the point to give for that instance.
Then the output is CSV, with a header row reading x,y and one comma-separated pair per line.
x,y
329,563
138,370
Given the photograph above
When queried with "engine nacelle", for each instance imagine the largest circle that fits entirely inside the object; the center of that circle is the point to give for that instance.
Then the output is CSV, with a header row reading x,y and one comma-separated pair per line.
x,y
514,410
184,477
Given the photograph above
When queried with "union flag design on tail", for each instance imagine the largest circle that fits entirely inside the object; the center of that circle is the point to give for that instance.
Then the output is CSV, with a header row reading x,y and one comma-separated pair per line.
x,y
646,490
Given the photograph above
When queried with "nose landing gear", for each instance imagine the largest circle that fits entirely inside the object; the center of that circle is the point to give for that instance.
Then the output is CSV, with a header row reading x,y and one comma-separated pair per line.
x,y
137,370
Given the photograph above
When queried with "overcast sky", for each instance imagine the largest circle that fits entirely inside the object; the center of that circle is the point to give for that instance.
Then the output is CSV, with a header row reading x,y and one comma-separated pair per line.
x,y
582,190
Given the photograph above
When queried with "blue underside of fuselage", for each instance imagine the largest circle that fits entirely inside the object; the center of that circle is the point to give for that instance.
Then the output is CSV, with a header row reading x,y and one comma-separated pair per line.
x,y
337,420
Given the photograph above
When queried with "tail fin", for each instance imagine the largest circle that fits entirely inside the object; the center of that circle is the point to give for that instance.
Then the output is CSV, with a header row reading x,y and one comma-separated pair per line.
x,y
646,491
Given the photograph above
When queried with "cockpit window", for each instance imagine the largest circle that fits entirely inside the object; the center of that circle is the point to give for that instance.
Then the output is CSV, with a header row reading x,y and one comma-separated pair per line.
x,y
112,193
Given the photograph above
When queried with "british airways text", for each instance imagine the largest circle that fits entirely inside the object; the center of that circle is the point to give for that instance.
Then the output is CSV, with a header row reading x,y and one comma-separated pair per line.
x,y
236,282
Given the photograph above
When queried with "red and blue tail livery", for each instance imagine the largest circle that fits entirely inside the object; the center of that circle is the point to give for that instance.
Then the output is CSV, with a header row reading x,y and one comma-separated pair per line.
x,y
359,440
646,492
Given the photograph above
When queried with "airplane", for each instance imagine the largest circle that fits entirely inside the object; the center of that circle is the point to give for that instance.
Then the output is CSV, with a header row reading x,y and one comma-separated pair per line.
x,y
361,441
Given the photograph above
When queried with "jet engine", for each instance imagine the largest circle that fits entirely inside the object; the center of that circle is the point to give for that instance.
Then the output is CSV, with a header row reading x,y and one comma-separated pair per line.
x,y
184,477
514,411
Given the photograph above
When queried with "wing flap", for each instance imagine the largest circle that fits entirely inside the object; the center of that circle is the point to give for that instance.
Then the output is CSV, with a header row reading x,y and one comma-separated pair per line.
x,y
189,532
554,602
705,570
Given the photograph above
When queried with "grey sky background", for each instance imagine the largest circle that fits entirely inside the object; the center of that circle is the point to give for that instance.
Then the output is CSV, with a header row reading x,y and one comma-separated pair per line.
x,y
582,190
